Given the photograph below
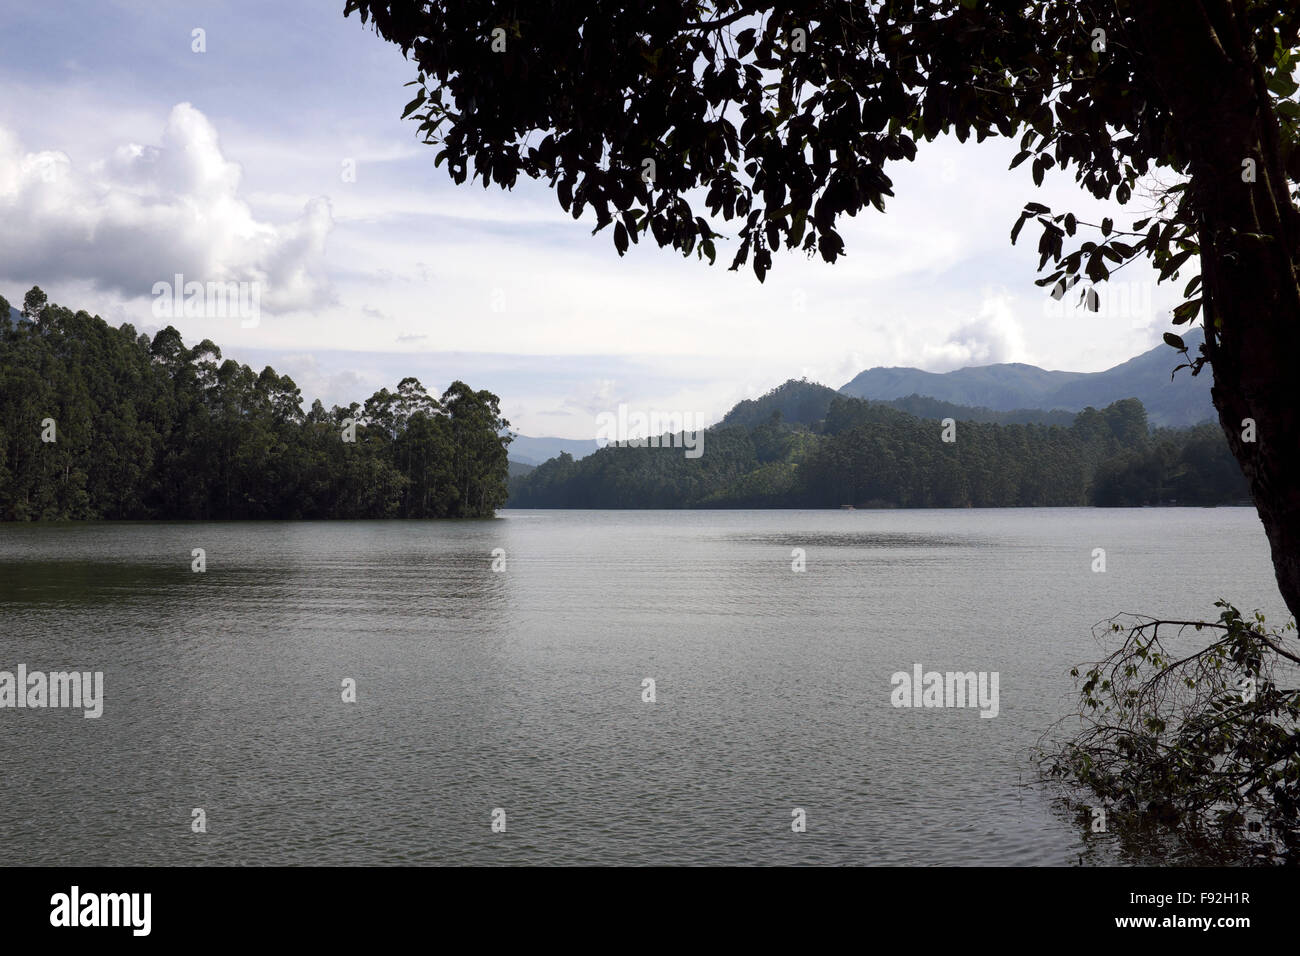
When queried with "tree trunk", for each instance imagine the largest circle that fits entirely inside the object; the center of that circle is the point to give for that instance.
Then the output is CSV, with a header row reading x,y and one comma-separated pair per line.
x,y
1207,73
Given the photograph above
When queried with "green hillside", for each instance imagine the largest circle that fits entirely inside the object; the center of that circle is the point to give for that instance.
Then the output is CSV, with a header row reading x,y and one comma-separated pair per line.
x,y
803,446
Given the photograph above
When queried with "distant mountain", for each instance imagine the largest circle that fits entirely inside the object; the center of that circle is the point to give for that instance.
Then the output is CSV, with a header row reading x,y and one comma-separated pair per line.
x,y
534,451
871,455
1013,386
517,469
1007,394
806,403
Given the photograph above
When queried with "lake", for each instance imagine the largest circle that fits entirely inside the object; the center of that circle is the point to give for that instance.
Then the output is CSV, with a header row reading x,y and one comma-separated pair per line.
x,y
521,689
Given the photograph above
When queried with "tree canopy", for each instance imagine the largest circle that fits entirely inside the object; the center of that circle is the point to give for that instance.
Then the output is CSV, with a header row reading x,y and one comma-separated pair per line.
x,y
97,422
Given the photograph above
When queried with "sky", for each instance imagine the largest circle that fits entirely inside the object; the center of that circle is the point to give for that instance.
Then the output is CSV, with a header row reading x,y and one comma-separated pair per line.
x,y
276,156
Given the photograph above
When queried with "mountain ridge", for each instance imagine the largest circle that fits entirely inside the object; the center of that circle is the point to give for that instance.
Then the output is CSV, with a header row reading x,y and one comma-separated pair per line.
x,y
1008,386
533,450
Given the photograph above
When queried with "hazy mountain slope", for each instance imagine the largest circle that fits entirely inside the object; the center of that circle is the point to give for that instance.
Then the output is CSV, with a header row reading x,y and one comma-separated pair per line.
x,y
805,403
923,406
1182,401
534,451
1006,387
999,387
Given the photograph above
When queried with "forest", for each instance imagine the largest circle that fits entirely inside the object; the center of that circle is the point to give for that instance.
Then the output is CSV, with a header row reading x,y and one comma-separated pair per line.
x,y
98,422
804,446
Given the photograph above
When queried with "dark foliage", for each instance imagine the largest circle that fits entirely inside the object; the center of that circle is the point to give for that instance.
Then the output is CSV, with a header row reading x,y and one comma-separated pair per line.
x,y
151,429
1197,740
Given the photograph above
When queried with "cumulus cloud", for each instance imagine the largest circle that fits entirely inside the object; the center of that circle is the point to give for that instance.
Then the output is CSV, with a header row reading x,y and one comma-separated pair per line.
x,y
993,336
145,213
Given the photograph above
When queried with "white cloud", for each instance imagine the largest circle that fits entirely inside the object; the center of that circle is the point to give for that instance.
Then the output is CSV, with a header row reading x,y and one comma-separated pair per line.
x,y
594,397
993,336
145,212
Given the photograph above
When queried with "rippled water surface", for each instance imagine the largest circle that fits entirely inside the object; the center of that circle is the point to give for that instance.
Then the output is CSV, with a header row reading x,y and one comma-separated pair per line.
x,y
523,689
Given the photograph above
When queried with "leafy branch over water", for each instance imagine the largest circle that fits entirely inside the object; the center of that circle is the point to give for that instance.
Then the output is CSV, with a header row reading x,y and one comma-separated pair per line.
x,y
1203,742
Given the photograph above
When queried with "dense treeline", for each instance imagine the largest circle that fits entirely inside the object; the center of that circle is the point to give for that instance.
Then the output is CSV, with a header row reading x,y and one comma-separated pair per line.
x,y
870,454
147,428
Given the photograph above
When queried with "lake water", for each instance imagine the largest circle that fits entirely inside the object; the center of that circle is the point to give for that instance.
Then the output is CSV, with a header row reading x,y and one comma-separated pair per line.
x,y
522,689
